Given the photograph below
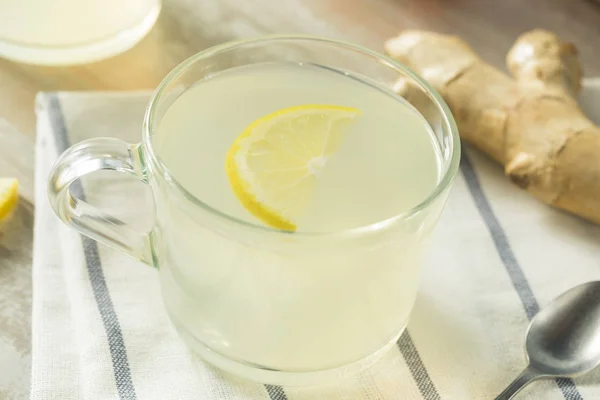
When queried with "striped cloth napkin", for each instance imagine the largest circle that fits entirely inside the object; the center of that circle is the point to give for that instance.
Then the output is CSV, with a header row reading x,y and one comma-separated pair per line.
x,y
100,330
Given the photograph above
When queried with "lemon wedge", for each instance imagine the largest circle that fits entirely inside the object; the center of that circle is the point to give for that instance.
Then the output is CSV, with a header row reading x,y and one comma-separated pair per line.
x,y
9,194
274,164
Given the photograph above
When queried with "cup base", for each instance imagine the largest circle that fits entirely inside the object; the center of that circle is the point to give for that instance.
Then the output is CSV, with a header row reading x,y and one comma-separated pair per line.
x,y
80,54
282,378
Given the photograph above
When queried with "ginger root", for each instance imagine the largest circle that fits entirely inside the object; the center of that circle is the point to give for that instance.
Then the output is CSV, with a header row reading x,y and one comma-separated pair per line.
x,y
531,123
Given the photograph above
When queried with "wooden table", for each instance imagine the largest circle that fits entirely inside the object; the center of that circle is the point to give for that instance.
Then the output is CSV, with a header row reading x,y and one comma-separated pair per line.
x,y
188,26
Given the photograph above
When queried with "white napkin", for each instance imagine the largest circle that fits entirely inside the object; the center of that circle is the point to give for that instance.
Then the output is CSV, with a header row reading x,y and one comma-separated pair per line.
x,y
498,255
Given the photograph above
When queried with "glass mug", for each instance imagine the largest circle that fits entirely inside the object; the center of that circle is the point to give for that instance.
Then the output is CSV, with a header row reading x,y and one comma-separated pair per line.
x,y
272,306
60,32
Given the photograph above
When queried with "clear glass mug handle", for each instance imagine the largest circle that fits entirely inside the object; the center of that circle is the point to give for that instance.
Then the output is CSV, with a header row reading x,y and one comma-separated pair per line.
x,y
86,157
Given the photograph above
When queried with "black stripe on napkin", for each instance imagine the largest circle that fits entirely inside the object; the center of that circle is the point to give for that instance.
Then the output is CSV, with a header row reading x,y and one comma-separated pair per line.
x,y
417,368
515,272
114,335
276,392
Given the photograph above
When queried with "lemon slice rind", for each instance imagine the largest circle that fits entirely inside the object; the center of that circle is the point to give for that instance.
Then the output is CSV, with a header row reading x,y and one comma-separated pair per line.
x,y
299,151
9,195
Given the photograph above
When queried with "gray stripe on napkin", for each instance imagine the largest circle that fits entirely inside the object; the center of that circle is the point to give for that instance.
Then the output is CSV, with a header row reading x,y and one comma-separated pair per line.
x,y
104,302
417,368
276,392
515,272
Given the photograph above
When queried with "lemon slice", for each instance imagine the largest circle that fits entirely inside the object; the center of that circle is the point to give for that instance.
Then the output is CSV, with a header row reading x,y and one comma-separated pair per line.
x,y
9,194
274,164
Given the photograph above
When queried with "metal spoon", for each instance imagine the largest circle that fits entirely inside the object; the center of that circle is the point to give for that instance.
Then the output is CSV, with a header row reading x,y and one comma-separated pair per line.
x,y
563,339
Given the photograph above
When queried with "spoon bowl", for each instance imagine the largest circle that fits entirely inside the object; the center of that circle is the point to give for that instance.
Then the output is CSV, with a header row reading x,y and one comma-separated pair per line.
x,y
563,339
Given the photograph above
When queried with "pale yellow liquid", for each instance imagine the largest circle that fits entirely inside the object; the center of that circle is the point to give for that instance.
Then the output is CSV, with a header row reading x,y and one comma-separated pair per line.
x,y
60,23
306,310
387,163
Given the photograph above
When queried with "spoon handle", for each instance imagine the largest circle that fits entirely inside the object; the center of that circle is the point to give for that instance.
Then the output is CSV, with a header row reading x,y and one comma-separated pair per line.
x,y
526,377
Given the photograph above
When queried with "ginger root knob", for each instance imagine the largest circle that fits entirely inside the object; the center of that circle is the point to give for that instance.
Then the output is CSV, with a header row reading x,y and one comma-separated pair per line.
x,y
531,123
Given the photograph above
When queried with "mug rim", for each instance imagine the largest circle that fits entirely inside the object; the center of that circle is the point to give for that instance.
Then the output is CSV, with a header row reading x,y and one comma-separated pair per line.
x,y
447,117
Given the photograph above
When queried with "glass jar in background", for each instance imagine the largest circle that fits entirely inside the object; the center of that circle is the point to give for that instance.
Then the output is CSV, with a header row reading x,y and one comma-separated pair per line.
x,y
62,32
